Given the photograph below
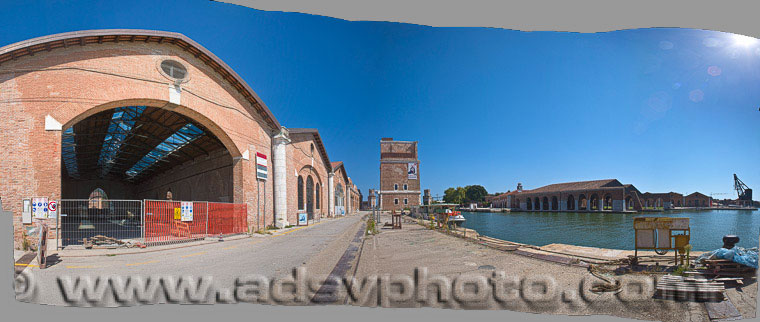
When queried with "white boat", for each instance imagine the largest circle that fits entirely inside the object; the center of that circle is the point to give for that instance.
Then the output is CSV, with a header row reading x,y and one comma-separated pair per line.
x,y
455,217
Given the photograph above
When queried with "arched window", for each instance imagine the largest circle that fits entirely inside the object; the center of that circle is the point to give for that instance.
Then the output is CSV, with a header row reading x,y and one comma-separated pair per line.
x,y
607,202
594,202
570,203
300,193
317,192
309,195
555,204
339,195
98,199
582,202
528,204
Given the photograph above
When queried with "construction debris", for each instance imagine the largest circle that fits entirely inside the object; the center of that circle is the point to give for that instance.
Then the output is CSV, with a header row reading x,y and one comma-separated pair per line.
x,y
680,288
109,242
725,267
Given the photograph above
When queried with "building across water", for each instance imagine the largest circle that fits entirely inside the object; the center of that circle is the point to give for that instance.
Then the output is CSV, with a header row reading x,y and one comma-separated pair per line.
x,y
595,195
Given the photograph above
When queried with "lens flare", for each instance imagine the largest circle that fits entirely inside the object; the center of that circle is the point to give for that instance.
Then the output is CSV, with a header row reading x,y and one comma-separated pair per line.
x,y
744,41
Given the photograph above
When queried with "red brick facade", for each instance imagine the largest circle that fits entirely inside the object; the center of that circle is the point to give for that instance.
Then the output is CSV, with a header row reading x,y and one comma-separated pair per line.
x,y
54,82
399,189
697,200
307,161
341,189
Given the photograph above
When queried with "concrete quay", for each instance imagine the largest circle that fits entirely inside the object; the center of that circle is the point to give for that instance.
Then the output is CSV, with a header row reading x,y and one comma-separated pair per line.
x,y
400,251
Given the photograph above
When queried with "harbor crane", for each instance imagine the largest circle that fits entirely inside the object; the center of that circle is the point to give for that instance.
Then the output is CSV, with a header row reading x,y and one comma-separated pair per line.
x,y
743,192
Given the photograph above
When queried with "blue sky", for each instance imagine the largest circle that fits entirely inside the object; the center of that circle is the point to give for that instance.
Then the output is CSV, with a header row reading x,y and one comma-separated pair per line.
x,y
663,109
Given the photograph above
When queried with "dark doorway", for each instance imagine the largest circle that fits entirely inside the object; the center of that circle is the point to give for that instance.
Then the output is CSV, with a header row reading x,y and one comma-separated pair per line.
x,y
310,197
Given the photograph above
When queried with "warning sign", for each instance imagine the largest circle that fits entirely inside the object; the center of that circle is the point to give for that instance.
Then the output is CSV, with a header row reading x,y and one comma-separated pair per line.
x,y
52,208
187,211
40,208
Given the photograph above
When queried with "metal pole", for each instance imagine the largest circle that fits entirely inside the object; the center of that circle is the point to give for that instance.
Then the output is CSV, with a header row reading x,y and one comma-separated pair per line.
x,y
208,214
57,227
258,202
142,219
265,201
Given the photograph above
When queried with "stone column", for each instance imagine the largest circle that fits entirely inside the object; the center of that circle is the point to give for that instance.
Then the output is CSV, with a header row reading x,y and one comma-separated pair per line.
x,y
331,194
576,205
601,205
349,195
281,140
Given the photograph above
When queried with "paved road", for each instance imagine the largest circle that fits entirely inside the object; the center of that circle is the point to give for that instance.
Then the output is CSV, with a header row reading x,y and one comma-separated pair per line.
x,y
271,256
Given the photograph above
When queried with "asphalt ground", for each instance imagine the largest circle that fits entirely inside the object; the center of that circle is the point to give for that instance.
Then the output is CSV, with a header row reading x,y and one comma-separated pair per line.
x,y
316,247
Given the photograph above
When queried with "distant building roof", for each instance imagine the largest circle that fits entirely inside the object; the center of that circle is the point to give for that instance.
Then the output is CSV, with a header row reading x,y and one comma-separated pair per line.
x,y
697,194
579,185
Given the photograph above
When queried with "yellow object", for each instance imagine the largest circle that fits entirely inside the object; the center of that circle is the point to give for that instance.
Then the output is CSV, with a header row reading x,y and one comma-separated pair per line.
x,y
681,241
177,214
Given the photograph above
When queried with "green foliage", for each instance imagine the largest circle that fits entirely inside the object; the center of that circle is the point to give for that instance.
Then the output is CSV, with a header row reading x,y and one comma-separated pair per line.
x,y
25,243
459,195
475,193
680,270
371,227
451,196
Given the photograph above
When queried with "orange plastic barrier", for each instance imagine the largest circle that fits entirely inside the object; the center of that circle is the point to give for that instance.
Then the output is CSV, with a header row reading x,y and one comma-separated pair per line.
x,y
162,221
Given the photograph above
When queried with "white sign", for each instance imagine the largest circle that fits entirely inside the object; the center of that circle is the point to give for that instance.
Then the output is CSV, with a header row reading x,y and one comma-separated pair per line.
x,y
26,213
411,172
52,208
40,208
302,219
187,211
261,166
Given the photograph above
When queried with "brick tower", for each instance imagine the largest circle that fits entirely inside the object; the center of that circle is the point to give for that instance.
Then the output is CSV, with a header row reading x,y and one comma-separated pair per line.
x,y
399,174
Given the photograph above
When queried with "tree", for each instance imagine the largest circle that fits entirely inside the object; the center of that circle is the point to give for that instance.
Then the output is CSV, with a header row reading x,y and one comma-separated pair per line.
x,y
461,195
454,195
475,193
451,196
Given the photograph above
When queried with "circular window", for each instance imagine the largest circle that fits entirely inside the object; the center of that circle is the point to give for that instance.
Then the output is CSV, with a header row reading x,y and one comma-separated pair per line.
x,y
174,69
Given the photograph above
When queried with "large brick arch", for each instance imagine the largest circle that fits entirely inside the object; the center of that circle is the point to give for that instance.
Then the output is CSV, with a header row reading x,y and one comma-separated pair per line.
x,y
197,116
50,83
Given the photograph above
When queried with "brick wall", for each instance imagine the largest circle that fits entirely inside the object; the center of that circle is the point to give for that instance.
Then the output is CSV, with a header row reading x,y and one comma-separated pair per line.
x,y
305,162
79,81
394,159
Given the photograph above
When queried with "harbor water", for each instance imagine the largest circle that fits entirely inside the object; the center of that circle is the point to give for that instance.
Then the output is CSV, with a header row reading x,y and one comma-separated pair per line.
x,y
612,230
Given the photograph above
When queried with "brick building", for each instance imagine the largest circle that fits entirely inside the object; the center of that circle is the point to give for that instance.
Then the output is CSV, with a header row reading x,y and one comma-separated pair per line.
x,y
342,190
399,174
371,199
665,200
310,165
596,195
697,200
142,114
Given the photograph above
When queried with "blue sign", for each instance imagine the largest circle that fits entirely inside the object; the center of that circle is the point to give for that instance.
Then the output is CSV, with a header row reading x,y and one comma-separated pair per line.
x,y
302,219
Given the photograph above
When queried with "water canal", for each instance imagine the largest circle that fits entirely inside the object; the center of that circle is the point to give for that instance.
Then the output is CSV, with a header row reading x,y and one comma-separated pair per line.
x,y
612,230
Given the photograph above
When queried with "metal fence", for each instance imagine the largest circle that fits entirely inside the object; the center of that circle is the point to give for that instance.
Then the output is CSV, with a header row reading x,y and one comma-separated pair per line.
x,y
84,218
149,221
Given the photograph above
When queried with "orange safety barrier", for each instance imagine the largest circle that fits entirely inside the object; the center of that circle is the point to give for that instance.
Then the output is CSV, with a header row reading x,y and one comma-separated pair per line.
x,y
180,229
163,222
227,218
